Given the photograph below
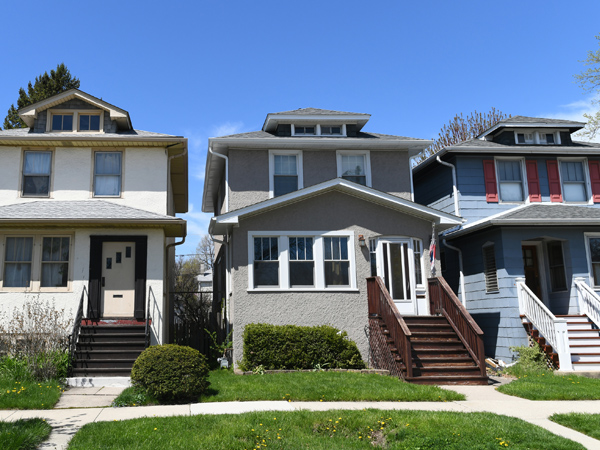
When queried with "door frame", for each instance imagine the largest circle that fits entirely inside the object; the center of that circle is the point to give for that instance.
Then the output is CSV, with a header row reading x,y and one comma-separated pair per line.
x,y
95,285
411,267
541,262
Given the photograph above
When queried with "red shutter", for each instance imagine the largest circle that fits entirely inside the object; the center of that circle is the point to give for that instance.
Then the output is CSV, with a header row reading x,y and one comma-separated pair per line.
x,y
533,181
554,181
489,174
595,179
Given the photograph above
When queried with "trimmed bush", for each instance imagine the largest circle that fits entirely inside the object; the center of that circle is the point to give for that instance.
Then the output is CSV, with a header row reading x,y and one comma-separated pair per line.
x,y
281,347
171,373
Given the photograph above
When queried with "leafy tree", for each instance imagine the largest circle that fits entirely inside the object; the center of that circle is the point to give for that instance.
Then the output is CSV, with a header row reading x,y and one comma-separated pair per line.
x,y
460,129
589,80
44,86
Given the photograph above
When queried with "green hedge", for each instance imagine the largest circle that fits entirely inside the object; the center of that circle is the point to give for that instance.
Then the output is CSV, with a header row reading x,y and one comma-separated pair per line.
x,y
281,347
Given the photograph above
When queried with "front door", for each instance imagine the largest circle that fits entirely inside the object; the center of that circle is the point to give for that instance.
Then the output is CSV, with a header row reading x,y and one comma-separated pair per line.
x,y
118,279
532,269
396,260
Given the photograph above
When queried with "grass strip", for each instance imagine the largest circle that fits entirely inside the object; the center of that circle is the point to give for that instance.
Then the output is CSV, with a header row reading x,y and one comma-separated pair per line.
x,y
29,394
366,429
547,386
584,423
24,434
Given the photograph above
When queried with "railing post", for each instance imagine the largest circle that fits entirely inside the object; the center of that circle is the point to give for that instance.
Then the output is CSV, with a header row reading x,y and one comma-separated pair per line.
x,y
580,300
562,341
518,282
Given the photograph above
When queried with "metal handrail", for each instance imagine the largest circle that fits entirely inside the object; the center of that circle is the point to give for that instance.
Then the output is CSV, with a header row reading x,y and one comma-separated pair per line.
x,y
74,338
147,330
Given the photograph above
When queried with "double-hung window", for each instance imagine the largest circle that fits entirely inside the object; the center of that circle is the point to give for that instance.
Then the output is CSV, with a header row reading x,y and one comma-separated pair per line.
x,y
574,182
302,263
55,262
510,180
285,169
354,166
107,174
266,261
37,166
556,263
337,263
18,256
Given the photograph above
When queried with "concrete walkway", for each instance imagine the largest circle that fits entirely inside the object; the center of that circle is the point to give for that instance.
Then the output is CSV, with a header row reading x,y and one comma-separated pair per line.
x,y
84,409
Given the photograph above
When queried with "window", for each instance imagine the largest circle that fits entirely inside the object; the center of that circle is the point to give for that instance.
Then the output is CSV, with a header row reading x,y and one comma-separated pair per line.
x,y
89,122
417,245
573,181
285,168
556,263
337,263
546,138
36,262
524,138
266,261
334,130
107,174
510,180
36,173
373,256
489,268
354,166
301,261
304,131
594,248
302,264
62,122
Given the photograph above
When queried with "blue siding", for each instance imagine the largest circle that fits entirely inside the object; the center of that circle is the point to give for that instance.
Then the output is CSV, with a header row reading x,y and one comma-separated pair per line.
x,y
433,187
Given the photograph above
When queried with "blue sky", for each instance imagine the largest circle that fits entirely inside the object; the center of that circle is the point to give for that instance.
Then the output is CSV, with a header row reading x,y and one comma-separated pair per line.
x,y
201,69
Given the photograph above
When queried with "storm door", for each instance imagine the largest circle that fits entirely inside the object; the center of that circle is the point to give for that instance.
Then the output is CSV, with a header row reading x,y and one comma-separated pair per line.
x,y
396,260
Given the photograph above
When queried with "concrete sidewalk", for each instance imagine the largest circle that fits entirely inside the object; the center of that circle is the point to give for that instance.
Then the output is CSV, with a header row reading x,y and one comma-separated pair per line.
x,y
66,422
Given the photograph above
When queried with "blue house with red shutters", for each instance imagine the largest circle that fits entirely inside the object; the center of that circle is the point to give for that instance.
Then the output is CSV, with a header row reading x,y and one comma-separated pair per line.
x,y
527,257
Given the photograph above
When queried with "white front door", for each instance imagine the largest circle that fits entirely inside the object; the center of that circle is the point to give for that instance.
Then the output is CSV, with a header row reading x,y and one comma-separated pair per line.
x,y
118,279
396,268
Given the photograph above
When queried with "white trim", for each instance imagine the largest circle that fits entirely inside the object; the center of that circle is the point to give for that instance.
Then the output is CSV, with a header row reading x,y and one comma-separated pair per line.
x,y
367,158
586,174
406,306
299,168
318,258
524,186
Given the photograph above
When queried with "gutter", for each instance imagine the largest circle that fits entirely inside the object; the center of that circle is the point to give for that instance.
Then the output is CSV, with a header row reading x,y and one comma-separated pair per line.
x,y
454,184
226,199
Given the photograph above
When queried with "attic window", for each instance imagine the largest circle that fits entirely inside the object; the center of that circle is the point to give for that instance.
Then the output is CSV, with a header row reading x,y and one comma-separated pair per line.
x,y
333,130
62,122
538,137
525,138
89,122
304,131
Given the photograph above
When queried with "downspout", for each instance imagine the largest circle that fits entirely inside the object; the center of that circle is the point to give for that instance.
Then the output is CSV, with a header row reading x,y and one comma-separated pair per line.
x,y
460,271
226,200
227,276
454,186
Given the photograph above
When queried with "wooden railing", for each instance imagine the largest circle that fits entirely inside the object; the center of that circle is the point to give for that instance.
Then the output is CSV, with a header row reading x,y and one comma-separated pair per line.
x,y
551,328
443,301
77,326
381,303
589,301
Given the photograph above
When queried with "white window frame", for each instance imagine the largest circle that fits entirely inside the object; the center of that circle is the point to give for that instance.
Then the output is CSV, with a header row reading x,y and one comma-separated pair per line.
x,y
536,140
299,168
36,262
419,287
318,130
318,256
365,153
22,178
93,191
304,126
588,255
75,113
586,175
523,179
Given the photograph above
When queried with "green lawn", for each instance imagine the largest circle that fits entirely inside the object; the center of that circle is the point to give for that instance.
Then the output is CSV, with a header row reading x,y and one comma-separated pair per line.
x,y
29,394
584,423
348,430
310,386
547,386
23,434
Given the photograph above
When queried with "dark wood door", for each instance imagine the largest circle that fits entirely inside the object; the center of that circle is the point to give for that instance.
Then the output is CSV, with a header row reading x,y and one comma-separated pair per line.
x,y
532,269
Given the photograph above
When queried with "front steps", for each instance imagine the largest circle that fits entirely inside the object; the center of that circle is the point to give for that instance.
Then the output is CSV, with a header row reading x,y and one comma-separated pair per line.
x,y
107,349
438,355
584,342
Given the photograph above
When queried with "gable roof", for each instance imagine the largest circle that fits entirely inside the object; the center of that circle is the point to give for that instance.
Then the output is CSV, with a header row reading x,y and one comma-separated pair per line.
x,y
536,214
86,213
220,224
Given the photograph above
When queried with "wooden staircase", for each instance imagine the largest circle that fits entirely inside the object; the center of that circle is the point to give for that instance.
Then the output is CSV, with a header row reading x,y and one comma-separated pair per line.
x,y
437,349
108,348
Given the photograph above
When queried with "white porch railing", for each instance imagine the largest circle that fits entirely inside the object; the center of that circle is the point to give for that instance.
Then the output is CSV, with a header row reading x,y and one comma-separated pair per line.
x,y
554,330
589,301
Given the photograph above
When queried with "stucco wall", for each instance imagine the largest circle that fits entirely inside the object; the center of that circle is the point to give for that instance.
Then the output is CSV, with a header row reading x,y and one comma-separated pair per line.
x,y
144,177
345,310
79,274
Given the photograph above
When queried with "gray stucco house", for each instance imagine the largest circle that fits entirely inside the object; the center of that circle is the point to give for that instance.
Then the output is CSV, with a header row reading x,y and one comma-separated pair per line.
x,y
528,252
305,210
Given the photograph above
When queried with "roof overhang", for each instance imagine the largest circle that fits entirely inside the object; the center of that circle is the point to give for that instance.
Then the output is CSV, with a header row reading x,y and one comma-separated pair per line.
x,y
221,224
215,165
30,113
571,126
273,120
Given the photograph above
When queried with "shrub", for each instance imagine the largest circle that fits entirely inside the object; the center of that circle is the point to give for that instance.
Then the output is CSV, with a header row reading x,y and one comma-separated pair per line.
x,y
280,347
171,373
531,359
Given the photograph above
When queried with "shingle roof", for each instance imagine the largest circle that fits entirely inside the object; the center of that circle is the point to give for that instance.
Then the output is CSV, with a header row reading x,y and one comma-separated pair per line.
x,y
525,119
554,212
316,111
26,132
76,210
495,145
359,135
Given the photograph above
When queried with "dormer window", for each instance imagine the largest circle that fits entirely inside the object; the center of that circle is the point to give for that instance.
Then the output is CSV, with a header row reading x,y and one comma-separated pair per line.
x,y
62,122
537,137
89,122
525,138
546,138
331,131
304,131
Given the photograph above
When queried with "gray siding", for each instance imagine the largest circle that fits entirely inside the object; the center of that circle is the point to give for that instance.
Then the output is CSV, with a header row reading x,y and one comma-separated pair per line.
x,y
390,173
248,177
345,310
